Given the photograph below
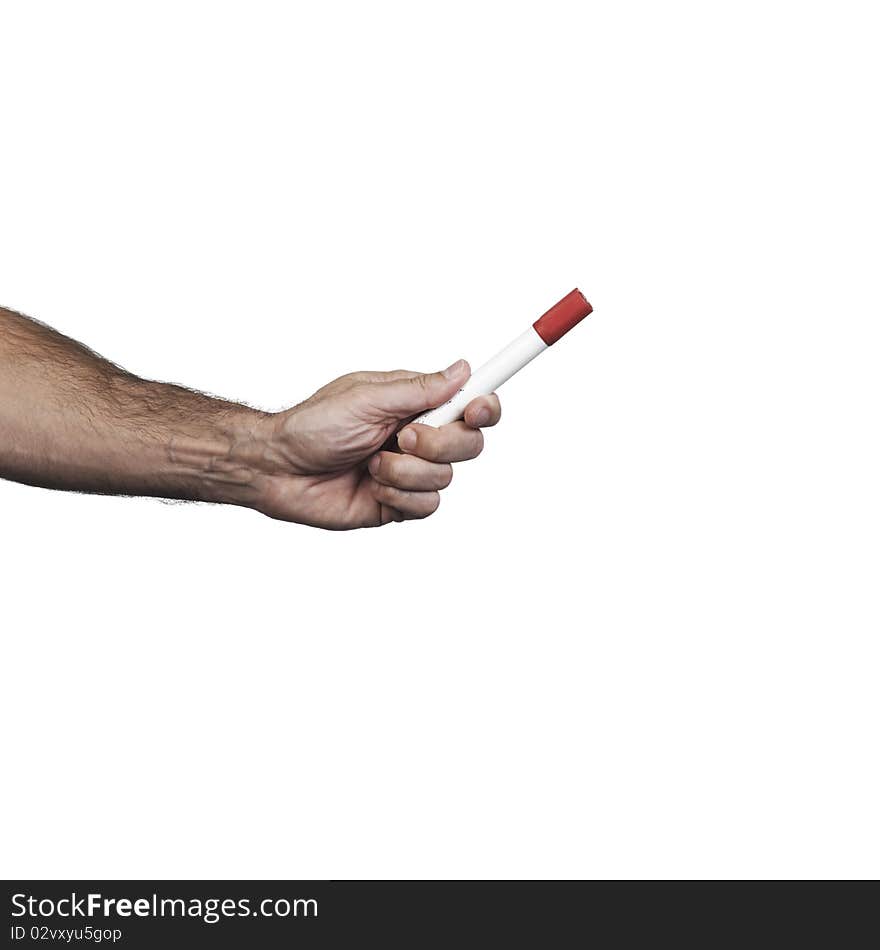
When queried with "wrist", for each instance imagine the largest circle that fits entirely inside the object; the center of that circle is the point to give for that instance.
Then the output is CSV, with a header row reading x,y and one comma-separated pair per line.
x,y
234,462
263,469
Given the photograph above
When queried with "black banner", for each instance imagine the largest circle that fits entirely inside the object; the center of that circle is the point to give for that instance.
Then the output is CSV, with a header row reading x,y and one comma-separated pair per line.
x,y
268,914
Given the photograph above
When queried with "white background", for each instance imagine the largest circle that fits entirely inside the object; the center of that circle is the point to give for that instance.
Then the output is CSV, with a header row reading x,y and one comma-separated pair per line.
x,y
640,637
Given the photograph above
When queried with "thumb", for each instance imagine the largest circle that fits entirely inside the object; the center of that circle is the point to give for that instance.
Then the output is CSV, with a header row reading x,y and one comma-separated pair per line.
x,y
406,397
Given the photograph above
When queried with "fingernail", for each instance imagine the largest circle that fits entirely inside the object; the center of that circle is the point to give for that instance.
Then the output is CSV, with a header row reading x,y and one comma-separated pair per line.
x,y
451,371
406,439
481,417
373,464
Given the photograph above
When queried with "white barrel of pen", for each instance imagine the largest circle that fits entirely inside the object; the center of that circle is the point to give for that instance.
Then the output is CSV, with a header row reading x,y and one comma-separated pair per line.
x,y
488,377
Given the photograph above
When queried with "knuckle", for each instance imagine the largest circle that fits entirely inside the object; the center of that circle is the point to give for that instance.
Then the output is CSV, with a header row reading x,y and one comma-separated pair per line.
x,y
422,504
383,493
428,447
479,443
391,468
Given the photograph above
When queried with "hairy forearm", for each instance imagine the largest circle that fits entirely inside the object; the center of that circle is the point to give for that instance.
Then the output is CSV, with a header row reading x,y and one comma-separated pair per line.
x,y
70,419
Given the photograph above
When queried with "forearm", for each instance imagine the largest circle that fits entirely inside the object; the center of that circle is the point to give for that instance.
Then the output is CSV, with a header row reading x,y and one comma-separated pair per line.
x,y
72,420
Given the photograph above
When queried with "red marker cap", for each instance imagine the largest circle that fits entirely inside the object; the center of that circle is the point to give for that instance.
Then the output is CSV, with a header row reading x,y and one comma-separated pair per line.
x,y
562,316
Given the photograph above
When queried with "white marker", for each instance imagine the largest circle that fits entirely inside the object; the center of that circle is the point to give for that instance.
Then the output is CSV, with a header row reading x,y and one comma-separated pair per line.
x,y
544,332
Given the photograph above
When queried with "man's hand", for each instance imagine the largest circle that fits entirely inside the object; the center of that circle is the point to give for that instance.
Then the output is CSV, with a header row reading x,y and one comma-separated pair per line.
x,y
71,420
334,462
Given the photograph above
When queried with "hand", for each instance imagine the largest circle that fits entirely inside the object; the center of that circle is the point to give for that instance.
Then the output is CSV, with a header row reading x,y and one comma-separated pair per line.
x,y
333,461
